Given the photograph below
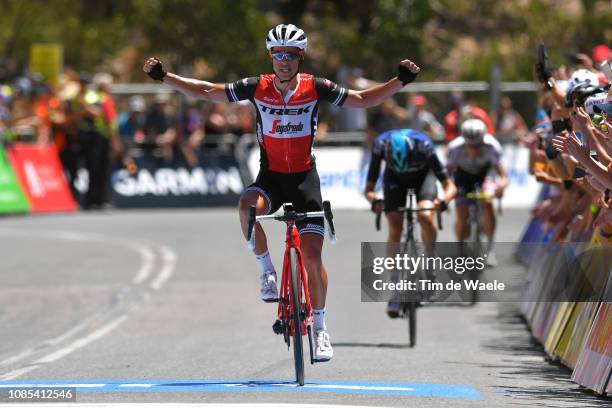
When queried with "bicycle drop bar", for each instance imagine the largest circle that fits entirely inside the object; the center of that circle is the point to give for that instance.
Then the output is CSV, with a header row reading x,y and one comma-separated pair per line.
x,y
404,209
291,215
480,196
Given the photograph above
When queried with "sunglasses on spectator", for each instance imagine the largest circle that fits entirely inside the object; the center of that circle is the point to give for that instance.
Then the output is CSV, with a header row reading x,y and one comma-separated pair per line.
x,y
285,56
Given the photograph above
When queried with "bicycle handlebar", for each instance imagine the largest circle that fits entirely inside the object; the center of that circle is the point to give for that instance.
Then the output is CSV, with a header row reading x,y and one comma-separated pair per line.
x,y
480,196
291,215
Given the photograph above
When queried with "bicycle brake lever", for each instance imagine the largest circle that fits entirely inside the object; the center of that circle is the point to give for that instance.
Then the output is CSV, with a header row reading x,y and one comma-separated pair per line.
x,y
330,223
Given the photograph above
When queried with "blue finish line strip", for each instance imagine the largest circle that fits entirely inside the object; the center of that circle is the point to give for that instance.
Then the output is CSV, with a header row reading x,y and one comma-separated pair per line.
x,y
340,387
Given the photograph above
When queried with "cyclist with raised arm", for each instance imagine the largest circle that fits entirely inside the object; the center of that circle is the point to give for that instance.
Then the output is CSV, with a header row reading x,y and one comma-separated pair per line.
x,y
287,102
473,159
411,162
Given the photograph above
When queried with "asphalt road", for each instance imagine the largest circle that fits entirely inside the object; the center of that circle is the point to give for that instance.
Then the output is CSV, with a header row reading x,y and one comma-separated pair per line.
x,y
162,306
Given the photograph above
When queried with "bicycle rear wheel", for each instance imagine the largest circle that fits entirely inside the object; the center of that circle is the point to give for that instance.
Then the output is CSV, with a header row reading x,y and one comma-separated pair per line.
x,y
478,250
411,306
412,325
296,304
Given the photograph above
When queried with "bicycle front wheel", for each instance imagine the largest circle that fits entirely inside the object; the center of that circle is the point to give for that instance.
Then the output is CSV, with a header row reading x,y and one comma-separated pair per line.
x,y
412,324
296,304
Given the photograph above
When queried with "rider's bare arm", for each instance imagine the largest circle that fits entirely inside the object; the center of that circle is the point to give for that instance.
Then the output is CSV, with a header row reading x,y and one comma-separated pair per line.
x,y
191,87
373,173
374,95
450,190
503,177
194,88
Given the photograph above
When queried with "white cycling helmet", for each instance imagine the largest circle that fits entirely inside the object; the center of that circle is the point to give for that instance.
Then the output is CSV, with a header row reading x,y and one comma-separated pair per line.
x,y
582,76
473,131
287,35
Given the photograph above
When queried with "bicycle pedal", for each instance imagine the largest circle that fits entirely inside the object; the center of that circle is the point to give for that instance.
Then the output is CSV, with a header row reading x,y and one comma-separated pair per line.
x,y
271,300
278,327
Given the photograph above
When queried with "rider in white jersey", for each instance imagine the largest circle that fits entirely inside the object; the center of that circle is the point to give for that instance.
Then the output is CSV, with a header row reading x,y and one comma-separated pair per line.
x,y
473,160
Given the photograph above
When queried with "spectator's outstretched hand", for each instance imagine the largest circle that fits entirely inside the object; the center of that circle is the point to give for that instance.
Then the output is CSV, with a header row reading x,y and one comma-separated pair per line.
x,y
576,148
560,143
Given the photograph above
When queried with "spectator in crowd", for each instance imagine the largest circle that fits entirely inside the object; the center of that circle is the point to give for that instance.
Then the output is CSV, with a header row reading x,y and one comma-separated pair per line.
x,y
5,113
160,126
388,116
420,119
132,122
23,117
462,110
103,82
191,132
577,161
509,124
87,117
216,120
351,119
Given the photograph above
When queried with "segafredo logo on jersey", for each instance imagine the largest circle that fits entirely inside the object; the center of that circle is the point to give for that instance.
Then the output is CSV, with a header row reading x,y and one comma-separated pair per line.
x,y
286,128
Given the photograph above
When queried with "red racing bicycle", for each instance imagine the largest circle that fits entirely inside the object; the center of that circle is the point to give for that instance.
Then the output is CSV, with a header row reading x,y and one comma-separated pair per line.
x,y
294,310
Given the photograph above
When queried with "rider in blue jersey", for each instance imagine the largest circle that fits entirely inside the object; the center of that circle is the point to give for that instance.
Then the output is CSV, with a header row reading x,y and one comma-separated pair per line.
x,y
411,162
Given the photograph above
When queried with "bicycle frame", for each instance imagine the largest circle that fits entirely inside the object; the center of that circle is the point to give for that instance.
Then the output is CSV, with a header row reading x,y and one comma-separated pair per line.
x,y
285,307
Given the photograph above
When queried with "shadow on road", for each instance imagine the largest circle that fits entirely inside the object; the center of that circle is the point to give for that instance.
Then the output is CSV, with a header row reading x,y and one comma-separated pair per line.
x,y
372,345
551,383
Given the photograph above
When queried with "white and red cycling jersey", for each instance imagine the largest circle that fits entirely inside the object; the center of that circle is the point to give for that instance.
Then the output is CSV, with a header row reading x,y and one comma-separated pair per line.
x,y
286,127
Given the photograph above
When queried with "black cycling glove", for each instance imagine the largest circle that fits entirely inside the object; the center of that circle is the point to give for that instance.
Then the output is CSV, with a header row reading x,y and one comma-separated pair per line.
x,y
405,75
443,206
157,72
375,203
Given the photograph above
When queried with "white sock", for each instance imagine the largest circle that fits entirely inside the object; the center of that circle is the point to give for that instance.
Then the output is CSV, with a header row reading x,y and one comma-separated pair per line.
x,y
319,319
265,262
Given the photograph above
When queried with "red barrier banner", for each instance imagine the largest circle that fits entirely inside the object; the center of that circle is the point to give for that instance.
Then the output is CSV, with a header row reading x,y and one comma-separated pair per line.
x,y
40,173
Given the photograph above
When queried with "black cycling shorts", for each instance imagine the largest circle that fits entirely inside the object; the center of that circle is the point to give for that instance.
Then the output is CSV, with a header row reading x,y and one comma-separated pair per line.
x,y
396,186
301,189
466,182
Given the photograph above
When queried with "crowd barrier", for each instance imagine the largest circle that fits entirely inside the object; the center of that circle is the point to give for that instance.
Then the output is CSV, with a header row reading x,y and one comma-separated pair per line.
x,y
32,180
577,334
343,170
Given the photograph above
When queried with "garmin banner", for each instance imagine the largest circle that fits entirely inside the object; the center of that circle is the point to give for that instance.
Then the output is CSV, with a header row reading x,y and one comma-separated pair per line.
x,y
216,181
343,172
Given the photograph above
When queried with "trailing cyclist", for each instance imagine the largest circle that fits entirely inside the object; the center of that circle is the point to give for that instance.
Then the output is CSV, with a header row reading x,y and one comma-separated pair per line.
x,y
287,103
411,163
473,159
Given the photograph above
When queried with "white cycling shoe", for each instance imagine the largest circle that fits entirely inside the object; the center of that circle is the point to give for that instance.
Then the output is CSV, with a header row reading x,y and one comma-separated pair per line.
x,y
323,349
491,260
269,290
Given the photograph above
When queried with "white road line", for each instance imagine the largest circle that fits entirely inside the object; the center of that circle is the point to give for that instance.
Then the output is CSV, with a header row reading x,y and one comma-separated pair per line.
x,y
138,385
19,372
82,342
169,259
148,261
